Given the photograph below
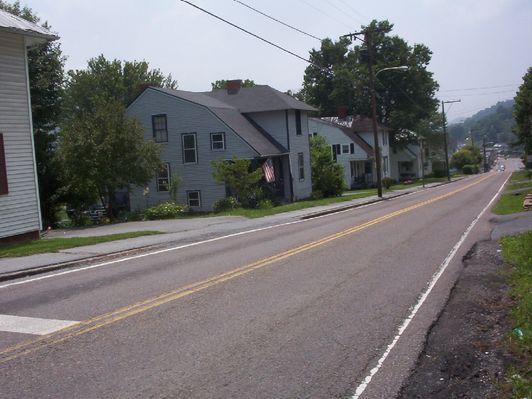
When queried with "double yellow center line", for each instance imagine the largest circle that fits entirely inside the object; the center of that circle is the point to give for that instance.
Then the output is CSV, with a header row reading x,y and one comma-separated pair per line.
x,y
106,319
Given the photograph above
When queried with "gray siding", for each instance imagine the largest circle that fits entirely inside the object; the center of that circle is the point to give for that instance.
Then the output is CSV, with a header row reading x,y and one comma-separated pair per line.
x,y
19,209
185,117
334,135
299,144
281,125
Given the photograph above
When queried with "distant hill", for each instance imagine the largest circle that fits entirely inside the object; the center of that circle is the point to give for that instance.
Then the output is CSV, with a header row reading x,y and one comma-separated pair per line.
x,y
495,122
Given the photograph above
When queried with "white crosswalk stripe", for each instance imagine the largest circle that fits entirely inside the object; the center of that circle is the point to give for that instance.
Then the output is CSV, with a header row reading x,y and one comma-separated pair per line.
x,y
32,325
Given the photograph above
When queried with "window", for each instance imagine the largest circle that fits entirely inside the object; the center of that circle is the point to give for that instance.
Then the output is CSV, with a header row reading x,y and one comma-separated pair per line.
x,y
384,137
298,122
301,166
194,199
385,165
352,148
3,167
336,148
218,141
345,148
190,153
160,130
163,178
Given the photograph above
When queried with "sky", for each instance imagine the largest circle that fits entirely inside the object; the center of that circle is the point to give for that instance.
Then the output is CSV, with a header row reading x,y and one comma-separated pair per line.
x,y
481,48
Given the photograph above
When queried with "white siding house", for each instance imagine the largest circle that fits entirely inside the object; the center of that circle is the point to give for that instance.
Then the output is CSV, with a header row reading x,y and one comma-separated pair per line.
x,y
194,129
19,194
351,141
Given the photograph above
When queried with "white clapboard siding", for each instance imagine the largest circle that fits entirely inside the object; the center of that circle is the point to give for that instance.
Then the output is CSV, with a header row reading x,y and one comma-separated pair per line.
x,y
19,209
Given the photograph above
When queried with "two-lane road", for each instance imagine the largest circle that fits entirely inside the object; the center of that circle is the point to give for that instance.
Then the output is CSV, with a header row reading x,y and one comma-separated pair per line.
x,y
305,309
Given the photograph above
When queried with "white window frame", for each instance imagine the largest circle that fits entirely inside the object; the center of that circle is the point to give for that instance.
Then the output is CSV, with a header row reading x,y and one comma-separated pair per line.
x,y
198,199
158,178
222,141
344,146
195,149
301,165
159,135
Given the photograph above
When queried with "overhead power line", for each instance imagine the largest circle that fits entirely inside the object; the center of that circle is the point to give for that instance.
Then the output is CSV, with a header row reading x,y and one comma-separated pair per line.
x,y
480,88
255,35
277,20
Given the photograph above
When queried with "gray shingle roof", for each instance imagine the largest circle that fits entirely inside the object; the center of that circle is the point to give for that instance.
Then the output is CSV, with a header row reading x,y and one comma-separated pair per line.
x,y
229,115
260,98
13,24
350,133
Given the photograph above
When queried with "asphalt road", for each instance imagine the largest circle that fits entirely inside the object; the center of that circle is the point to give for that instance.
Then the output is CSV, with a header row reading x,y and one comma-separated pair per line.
x,y
301,310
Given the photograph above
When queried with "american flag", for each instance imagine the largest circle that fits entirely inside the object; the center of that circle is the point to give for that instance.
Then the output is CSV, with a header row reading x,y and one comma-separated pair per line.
x,y
267,168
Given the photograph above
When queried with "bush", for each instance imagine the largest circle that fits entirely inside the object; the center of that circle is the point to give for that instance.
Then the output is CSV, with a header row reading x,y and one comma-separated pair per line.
x,y
387,182
327,176
166,210
265,204
226,204
316,194
470,169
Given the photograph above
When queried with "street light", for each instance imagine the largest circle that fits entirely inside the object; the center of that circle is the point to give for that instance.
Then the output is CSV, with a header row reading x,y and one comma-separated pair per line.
x,y
397,68
374,115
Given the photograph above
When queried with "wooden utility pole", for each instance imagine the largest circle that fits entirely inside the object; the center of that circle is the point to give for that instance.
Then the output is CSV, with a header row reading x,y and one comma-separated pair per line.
x,y
445,136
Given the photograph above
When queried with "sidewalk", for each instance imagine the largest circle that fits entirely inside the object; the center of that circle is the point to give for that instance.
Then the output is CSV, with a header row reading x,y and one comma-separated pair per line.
x,y
177,232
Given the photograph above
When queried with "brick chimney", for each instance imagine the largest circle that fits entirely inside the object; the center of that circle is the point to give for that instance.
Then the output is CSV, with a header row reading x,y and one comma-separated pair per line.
x,y
341,111
233,86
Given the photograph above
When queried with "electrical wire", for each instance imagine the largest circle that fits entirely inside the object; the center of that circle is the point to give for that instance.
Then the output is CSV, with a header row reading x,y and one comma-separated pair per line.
x,y
276,20
355,11
343,10
256,36
324,13
480,88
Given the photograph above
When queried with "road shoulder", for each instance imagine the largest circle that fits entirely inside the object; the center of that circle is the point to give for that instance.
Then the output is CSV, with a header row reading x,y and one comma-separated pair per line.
x,y
464,355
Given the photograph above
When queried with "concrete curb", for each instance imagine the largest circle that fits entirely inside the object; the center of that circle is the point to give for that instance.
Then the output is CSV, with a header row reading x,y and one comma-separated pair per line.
x,y
31,271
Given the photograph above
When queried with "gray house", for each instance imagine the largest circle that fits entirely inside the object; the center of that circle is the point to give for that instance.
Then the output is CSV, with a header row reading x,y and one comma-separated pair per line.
x,y
19,194
351,141
193,129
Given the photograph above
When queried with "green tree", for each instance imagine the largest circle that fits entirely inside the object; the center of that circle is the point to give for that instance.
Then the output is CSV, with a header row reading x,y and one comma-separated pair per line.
x,y
101,151
467,155
46,78
222,84
236,174
523,112
327,176
339,76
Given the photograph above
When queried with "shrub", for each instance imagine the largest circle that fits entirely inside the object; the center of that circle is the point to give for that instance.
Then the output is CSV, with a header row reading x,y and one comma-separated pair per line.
x,y
470,169
265,204
387,182
327,176
166,210
226,204
316,194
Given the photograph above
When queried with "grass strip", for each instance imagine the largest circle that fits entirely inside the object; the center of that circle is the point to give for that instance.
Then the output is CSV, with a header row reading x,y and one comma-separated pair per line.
x,y
295,206
513,203
46,245
517,251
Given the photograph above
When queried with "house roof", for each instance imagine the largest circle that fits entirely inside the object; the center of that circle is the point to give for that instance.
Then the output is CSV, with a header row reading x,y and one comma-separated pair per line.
x,y
260,98
357,123
14,24
260,142
353,136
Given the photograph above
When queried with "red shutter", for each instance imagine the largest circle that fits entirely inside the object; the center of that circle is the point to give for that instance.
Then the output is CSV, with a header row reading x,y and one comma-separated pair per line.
x,y
3,167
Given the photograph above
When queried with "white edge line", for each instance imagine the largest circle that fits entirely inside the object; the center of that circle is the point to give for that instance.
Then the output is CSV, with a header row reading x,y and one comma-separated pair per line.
x,y
98,265
365,382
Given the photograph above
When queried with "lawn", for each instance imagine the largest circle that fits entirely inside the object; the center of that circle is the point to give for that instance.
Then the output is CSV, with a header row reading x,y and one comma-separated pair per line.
x,y
56,244
257,213
513,203
517,251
